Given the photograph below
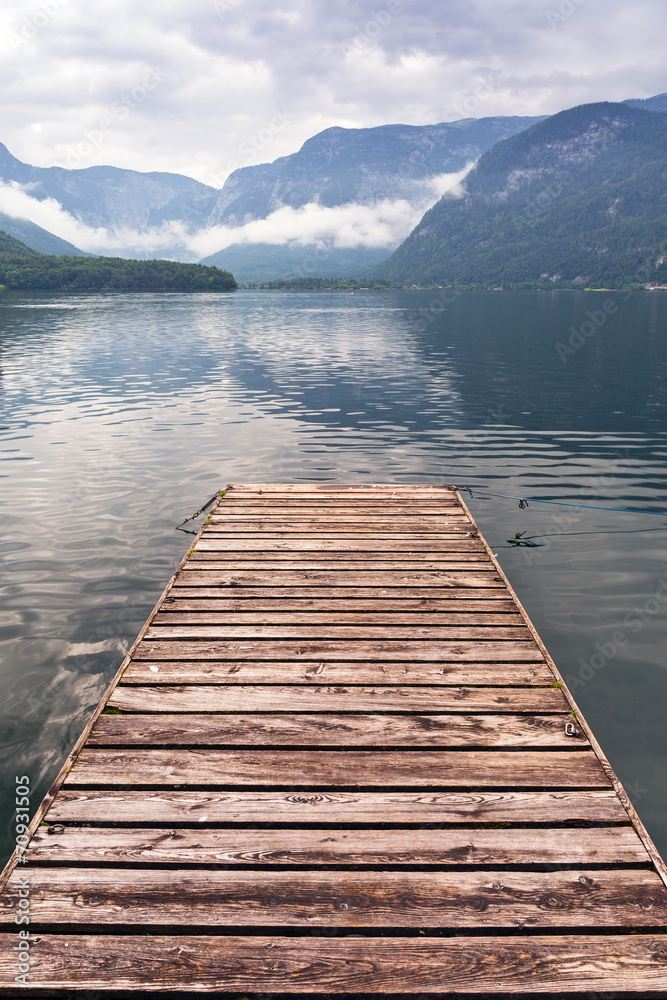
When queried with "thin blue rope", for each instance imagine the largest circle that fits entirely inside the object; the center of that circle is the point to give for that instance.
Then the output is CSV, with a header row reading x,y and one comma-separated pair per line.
x,y
562,503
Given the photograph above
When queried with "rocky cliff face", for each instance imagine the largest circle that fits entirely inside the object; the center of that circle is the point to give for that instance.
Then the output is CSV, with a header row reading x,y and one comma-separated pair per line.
x,y
339,166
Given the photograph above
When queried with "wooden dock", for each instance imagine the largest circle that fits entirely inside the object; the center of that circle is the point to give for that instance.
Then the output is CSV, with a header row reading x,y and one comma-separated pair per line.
x,y
338,761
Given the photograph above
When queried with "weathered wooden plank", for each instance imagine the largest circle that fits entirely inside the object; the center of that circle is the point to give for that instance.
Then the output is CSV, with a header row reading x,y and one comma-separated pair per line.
x,y
403,580
308,698
164,632
352,598
401,507
333,518
359,524
448,516
398,501
436,769
481,731
286,562
382,559
341,491
238,526
313,848
306,807
437,899
347,609
331,673
175,614
406,500
634,964
375,548
381,649
320,543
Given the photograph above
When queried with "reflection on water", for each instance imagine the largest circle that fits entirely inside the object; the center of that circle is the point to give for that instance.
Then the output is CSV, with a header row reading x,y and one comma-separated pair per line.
x,y
122,414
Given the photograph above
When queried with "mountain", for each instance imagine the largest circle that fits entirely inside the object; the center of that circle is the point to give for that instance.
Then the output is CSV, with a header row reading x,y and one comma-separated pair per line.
x,y
338,166
13,247
657,103
37,238
364,165
260,262
114,198
579,198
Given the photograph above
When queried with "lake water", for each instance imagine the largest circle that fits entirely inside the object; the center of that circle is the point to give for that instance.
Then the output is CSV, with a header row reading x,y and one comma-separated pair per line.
x,y
123,414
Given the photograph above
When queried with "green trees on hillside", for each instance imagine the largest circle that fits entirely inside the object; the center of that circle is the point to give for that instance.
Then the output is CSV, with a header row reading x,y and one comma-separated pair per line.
x,y
580,199
24,269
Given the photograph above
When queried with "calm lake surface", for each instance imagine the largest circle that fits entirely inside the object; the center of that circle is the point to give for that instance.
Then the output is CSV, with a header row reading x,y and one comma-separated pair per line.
x,y
121,415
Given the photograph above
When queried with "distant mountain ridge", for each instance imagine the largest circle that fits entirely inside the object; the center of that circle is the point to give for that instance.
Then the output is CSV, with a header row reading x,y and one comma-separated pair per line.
x,y
343,165
112,197
579,198
336,167
657,103
261,262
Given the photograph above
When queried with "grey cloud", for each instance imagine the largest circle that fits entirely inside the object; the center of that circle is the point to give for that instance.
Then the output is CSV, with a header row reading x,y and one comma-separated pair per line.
x,y
228,65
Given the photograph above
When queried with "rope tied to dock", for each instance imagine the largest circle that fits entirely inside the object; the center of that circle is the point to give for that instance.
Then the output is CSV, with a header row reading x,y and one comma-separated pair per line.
x,y
202,510
524,502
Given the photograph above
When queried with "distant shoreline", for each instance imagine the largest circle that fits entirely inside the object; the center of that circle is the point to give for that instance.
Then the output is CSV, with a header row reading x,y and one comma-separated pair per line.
x,y
349,287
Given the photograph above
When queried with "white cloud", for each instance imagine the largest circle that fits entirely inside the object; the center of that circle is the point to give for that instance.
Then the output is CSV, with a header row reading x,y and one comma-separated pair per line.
x,y
16,201
383,224
65,63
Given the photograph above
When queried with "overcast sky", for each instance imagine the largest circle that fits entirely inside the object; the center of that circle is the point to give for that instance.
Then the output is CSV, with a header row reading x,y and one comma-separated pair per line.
x,y
203,86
